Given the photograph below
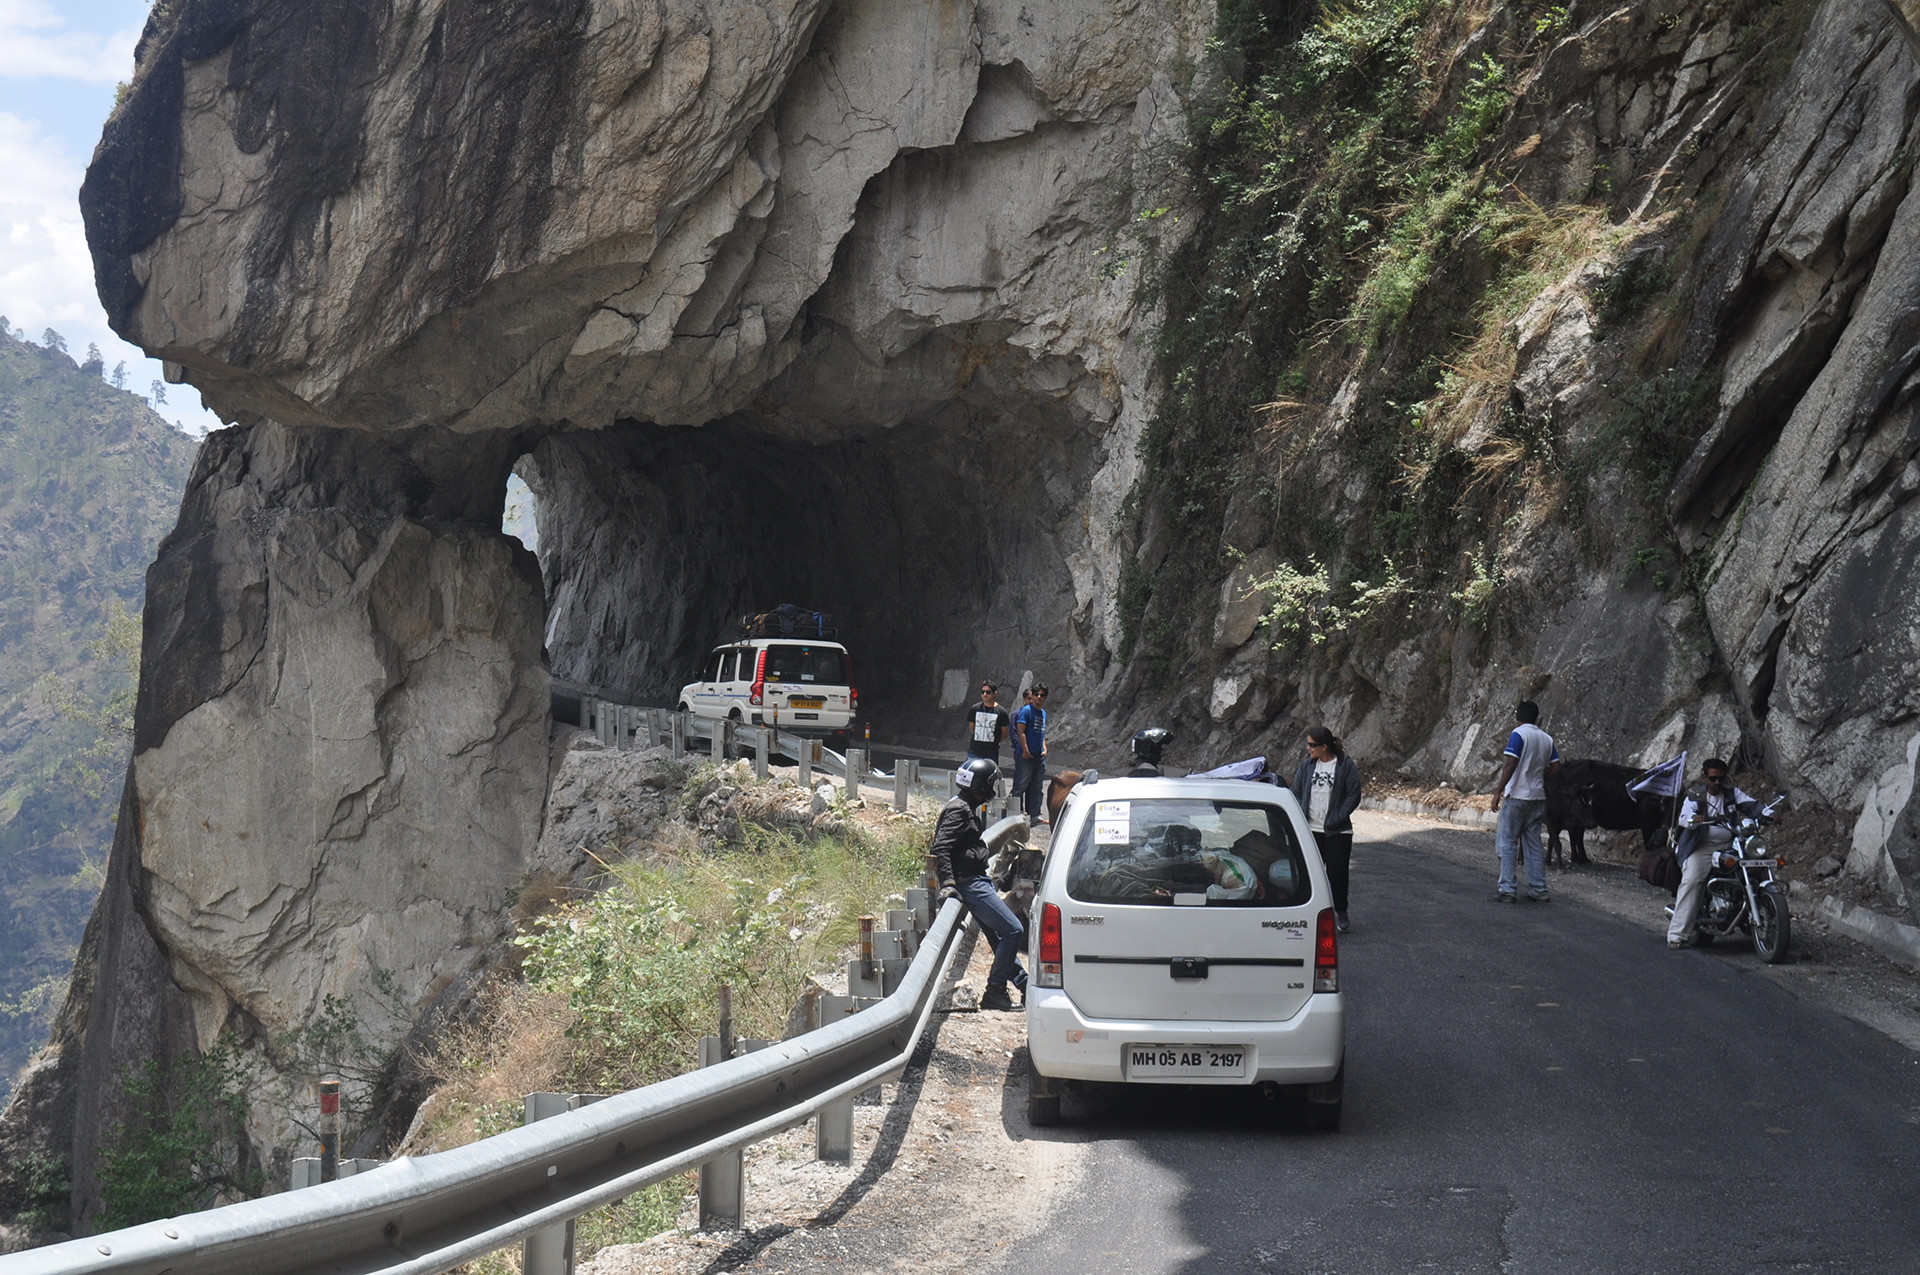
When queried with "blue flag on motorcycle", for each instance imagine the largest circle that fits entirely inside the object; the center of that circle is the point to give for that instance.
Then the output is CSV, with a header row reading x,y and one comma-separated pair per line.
x,y
1664,780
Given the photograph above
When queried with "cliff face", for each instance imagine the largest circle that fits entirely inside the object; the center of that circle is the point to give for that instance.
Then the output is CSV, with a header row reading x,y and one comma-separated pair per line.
x,y
844,303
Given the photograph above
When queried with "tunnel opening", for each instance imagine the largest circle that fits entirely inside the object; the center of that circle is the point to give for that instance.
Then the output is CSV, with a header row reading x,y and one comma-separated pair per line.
x,y
939,544
520,518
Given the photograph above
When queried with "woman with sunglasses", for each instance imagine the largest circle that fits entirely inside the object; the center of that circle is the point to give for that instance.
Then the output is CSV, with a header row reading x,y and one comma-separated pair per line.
x,y
1327,786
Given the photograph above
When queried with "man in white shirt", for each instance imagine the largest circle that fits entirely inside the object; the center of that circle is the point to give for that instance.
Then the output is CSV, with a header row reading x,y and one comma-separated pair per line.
x,y
1521,800
1700,840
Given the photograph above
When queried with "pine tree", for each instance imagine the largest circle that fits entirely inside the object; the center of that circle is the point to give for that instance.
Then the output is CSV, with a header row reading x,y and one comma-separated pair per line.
x,y
159,393
95,363
53,341
119,377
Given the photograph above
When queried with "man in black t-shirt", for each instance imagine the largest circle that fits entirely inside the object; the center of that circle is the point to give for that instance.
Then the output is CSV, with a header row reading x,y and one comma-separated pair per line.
x,y
986,724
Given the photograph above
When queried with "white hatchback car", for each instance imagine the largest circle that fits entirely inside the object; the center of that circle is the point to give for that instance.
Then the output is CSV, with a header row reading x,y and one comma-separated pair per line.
x,y
1184,935
803,686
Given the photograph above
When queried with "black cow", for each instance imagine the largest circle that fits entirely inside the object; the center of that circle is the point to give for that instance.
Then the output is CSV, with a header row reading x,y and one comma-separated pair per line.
x,y
1588,793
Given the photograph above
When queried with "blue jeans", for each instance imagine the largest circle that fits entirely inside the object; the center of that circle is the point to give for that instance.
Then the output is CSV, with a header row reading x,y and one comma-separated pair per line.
x,y
1029,785
999,924
1518,831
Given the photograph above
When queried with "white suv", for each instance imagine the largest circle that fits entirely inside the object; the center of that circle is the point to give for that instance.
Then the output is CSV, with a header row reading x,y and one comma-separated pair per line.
x,y
1184,935
803,687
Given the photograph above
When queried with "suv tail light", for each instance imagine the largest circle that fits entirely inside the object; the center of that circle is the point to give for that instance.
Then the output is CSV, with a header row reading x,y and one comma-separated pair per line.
x,y
853,697
759,678
1326,956
1050,961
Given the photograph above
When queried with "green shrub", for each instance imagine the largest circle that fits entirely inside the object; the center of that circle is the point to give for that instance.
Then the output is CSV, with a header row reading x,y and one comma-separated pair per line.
x,y
640,964
184,1148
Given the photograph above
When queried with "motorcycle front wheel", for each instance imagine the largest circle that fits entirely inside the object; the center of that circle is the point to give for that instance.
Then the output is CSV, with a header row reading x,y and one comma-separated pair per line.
x,y
1772,932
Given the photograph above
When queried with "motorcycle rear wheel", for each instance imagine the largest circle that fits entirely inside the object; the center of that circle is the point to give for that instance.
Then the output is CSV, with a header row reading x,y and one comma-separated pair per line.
x,y
1772,931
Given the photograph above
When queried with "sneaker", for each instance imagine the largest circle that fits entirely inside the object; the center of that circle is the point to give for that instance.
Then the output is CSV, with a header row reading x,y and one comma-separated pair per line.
x,y
1539,898
1676,944
1340,922
1502,896
996,998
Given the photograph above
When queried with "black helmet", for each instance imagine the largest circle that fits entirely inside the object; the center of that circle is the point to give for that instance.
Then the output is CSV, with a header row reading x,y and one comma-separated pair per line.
x,y
1148,744
975,779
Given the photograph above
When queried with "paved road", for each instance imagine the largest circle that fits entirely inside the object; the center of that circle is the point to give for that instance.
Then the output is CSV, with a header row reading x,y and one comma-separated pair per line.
x,y
1529,1088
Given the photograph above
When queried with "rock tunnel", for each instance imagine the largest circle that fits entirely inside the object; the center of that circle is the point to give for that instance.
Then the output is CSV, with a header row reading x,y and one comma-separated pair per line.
x,y
938,543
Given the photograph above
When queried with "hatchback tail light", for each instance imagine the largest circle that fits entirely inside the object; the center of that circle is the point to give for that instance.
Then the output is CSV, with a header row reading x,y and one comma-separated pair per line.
x,y
1050,961
1326,955
759,678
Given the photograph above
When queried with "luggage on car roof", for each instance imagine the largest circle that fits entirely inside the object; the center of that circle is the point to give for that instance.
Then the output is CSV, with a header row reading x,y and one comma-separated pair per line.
x,y
788,621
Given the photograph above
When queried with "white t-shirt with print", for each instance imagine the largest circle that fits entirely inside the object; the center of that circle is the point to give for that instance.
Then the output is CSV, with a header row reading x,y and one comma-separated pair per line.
x,y
1320,794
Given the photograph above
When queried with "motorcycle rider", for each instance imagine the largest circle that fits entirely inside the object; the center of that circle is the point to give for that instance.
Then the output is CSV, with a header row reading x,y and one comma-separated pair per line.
x,y
960,862
1147,747
1699,841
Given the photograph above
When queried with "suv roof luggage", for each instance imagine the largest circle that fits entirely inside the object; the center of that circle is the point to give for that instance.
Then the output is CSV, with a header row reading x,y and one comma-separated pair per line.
x,y
788,621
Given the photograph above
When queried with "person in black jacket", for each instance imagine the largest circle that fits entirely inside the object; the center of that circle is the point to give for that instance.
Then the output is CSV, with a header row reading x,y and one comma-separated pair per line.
x,y
1327,786
960,862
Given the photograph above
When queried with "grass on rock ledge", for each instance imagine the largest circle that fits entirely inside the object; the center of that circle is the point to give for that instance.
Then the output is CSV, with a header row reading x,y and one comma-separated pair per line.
x,y
618,986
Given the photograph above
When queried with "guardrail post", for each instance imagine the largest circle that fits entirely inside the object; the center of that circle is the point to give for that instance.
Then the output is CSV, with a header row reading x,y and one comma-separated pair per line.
x,y
804,755
677,731
856,771
329,1130
722,740
1003,793
548,1252
723,1178
763,745
920,902
902,784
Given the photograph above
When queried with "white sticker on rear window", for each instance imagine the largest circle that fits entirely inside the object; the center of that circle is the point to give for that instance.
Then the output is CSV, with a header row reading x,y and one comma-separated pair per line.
x,y
1112,823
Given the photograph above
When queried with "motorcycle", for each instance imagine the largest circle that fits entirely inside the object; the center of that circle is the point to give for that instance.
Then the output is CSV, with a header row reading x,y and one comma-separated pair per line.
x,y
1741,892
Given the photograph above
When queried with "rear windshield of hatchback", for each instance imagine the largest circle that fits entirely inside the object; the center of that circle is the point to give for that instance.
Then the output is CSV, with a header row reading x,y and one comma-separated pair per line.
x,y
793,663
1231,854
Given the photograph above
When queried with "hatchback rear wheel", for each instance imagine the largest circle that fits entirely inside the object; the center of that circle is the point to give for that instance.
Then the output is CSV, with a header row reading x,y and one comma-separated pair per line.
x,y
1325,1100
1043,1098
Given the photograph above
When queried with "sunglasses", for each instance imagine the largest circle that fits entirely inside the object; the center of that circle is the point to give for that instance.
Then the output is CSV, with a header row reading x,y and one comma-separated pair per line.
x,y
1715,779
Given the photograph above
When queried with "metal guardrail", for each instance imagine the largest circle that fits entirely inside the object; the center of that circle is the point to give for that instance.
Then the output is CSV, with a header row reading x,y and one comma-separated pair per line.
x,y
626,726
425,1214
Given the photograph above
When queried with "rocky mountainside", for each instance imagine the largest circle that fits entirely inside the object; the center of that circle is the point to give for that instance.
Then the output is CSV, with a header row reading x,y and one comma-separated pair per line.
x,y
1235,365
90,478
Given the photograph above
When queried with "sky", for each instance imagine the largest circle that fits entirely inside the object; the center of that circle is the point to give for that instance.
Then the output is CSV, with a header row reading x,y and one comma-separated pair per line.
x,y
60,62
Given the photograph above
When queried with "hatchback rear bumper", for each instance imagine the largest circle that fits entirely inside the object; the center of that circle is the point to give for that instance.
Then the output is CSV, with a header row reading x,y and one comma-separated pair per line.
x,y
1065,1045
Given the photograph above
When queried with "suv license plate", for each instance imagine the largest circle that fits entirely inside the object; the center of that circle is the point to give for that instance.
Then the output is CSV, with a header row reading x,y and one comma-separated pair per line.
x,y
806,703
1182,1062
